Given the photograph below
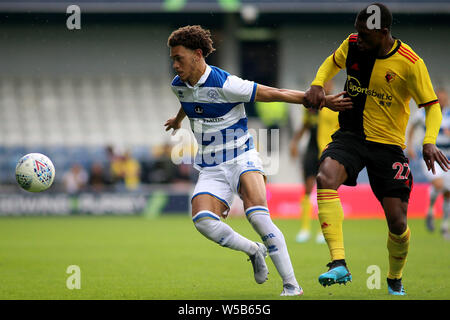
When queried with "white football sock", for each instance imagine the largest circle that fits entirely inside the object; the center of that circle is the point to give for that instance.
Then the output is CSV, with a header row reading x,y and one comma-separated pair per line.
x,y
209,225
273,239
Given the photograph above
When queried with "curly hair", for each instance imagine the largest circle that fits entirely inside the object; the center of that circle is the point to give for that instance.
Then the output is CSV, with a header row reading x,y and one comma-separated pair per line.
x,y
192,37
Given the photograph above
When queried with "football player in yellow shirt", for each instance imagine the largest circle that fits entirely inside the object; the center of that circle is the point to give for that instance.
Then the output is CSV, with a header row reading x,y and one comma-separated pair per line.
x,y
383,74
321,125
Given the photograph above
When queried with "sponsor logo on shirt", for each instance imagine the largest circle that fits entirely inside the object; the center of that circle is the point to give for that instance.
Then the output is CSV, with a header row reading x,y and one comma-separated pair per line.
x,y
354,88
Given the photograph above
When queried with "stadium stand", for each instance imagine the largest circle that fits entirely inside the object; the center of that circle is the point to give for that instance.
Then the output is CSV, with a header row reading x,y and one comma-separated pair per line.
x,y
72,120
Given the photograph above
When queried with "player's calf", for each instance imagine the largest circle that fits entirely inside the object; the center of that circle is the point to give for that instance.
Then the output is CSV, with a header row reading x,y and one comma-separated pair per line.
x,y
273,239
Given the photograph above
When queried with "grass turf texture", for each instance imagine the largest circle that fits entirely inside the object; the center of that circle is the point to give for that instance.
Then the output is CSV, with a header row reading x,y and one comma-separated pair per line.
x,y
166,258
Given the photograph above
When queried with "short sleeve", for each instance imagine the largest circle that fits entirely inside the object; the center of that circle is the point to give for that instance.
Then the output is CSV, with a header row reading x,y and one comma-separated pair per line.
x,y
419,85
236,89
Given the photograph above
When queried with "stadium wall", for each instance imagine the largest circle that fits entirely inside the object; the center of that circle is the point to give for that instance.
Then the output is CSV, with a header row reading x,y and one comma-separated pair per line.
x,y
283,201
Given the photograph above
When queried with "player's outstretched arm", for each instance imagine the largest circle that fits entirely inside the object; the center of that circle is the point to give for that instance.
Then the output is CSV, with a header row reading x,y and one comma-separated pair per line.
x,y
270,94
431,153
175,122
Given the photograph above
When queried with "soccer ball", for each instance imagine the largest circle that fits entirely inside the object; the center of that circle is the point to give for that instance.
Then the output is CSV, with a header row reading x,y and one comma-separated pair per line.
x,y
35,172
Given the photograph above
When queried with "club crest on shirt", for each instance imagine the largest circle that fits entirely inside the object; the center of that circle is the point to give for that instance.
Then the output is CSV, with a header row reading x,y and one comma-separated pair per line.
x,y
180,94
213,95
390,76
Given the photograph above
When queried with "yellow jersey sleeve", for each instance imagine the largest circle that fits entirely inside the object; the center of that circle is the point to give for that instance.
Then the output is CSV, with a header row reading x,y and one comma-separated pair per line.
x,y
419,85
340,55
433,119
332,65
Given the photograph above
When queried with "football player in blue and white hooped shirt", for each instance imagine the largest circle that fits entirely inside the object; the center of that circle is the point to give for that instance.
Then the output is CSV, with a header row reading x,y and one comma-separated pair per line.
x,y
213,100
440,182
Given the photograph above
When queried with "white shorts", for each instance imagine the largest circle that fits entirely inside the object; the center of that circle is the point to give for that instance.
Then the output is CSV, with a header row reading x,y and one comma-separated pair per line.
x,y
222,181
440,174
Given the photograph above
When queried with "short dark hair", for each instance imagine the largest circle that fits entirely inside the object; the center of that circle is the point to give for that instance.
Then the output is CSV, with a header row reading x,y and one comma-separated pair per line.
x,y
386,15
192,37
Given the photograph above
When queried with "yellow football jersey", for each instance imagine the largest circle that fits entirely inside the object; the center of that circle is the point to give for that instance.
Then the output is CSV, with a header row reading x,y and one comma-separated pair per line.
x,y
381,89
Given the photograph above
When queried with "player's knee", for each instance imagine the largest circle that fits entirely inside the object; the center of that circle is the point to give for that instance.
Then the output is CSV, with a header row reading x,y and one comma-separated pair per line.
x,y
397,225
325,181
206,222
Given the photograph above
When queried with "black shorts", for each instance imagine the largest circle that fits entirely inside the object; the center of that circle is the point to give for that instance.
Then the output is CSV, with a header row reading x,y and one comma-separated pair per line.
x,y
311,161
387,165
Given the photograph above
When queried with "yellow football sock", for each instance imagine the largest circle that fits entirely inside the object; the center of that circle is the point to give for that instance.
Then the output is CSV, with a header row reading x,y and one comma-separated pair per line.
x,y
398,246
306,212
331,217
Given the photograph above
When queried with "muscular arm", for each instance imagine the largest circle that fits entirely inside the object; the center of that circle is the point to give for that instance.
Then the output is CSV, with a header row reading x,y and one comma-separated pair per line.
x,y
270,94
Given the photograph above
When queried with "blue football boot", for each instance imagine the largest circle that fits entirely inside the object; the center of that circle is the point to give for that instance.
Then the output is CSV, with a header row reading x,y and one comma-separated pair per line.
x,y
395,287
337,273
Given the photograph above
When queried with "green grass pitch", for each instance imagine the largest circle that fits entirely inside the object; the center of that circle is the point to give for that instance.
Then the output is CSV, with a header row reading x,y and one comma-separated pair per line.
x,y
165,258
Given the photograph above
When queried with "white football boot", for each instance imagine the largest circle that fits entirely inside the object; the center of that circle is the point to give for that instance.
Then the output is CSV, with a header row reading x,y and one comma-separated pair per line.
x,y
291,290
259,263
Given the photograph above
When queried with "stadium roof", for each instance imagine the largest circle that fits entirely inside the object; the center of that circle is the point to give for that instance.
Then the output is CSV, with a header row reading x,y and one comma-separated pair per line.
x,y
278,6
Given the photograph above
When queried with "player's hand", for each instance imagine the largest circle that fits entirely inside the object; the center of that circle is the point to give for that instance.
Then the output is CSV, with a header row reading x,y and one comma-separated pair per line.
x,y
314,97
431,154
172,123
337,103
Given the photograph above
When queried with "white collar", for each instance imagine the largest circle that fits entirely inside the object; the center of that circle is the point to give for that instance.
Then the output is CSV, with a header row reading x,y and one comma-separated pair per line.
x,y
202,79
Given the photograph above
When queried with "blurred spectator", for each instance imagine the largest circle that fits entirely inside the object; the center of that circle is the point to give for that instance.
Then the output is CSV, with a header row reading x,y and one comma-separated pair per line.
x,y
163,169
126,171
132,171
113,158
183,174
97,178
75,179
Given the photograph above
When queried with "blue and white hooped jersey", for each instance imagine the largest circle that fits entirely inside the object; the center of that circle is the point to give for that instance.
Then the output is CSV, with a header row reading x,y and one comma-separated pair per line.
x,y
215,108
443,140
